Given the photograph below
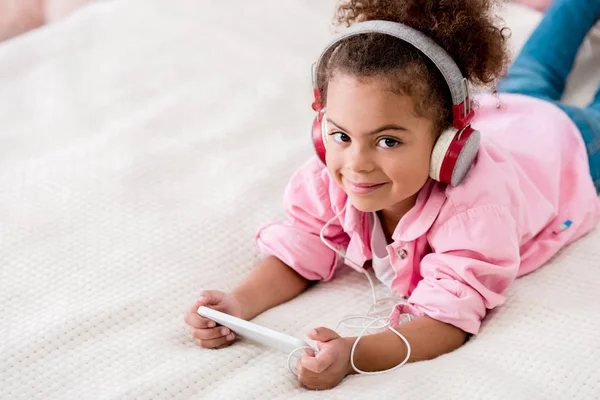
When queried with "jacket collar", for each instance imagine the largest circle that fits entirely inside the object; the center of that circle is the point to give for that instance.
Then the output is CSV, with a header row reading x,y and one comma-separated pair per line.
x,y
414,224
419,219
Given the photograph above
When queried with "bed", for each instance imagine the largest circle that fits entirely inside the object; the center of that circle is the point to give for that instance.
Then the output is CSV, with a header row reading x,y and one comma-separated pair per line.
x,y
143,143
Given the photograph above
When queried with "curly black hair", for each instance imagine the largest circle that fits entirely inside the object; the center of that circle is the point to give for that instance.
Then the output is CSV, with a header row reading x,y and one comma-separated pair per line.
x,y
466,29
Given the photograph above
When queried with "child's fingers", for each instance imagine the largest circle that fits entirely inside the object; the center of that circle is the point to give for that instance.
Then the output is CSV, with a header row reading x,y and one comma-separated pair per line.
x,y
307,378
216,343
207,334
210,297
194,307
196,321
319,363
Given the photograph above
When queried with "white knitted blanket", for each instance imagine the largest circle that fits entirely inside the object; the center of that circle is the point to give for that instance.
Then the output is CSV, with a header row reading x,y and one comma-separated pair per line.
x,y
142,143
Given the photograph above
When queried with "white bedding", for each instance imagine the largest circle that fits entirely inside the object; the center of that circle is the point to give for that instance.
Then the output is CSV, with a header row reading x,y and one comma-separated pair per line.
x,y
142,143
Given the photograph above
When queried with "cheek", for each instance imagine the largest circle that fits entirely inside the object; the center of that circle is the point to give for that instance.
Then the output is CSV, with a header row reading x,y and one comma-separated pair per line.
x,y
335,175
411,169
334,162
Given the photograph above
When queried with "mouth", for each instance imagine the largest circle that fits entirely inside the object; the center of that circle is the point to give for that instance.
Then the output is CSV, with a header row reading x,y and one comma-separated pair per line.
x,y
361,187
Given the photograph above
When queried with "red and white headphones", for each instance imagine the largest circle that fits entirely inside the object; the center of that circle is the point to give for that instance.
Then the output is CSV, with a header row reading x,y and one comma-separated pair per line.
x,y
456,147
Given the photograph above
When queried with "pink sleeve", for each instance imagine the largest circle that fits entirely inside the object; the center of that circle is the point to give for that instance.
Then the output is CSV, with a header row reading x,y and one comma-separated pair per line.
x,y
475,258
296,241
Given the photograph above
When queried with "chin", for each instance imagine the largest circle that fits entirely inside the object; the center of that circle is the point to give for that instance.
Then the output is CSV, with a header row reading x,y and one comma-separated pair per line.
x,y
365,205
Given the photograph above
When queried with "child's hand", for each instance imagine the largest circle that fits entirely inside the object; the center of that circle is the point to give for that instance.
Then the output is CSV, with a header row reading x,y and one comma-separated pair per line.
x,y
205,331
330,366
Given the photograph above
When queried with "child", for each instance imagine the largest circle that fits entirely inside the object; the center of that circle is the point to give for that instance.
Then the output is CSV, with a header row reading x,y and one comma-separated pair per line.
x,y
449,242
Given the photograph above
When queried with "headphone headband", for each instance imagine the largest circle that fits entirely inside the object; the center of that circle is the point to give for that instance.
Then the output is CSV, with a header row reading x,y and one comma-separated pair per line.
x,y
458,85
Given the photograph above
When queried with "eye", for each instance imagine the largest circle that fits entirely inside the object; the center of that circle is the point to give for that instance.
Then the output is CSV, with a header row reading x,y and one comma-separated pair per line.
x,y
340,137
388,143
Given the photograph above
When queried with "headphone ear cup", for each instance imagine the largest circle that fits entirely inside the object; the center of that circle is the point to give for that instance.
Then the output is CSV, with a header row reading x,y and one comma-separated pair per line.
x,y
439,153
453,155
319,138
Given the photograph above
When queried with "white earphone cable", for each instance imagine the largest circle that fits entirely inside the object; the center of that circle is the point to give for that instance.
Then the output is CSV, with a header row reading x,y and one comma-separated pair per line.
x,y
372,320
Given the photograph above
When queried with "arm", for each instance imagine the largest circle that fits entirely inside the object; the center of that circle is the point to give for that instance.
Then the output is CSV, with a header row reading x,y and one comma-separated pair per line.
x,y
271,283
428,339
469,268
465,275
296,254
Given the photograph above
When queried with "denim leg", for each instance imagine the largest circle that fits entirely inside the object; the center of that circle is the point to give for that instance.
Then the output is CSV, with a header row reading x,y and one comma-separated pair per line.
x,y
542,67
595,106
588,122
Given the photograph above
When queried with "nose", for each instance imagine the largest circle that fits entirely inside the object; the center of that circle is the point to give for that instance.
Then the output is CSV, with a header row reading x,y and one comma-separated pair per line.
x,y
359,159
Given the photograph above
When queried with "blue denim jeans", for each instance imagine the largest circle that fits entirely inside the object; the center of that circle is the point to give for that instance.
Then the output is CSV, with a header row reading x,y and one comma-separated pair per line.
x,y
542,67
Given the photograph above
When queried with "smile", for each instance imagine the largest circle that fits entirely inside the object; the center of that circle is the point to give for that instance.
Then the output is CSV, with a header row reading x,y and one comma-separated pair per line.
x,y
362,188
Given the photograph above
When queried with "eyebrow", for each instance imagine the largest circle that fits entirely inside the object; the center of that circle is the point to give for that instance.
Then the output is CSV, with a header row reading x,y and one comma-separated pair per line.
x,y
389,127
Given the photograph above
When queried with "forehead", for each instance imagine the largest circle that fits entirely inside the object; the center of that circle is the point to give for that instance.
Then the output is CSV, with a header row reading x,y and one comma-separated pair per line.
x,y
369,98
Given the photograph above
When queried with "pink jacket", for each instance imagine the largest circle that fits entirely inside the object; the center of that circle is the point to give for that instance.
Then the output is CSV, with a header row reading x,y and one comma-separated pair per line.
x,y
458,249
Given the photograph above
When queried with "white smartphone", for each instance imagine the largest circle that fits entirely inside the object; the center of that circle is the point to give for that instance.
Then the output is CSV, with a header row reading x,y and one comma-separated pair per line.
x,y
254,332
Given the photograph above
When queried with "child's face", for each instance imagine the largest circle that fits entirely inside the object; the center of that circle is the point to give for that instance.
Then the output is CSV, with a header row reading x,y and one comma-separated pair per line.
x,y
378,149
